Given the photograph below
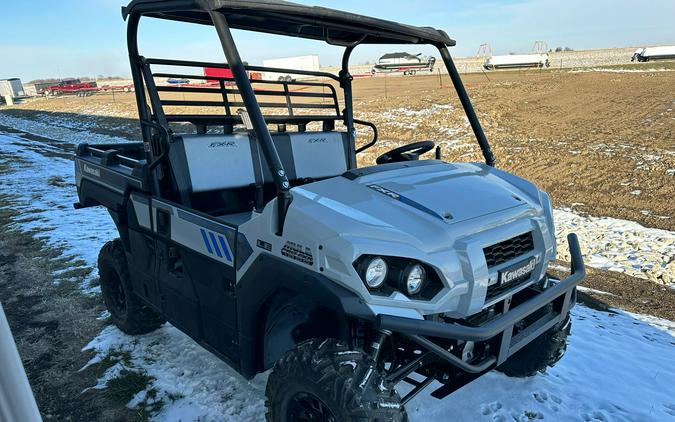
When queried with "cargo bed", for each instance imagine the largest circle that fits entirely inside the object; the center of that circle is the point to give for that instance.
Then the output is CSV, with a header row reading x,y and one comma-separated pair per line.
x,y
107,172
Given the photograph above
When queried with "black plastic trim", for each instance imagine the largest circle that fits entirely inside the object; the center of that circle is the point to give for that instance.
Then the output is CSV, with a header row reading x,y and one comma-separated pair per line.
x,y
367,171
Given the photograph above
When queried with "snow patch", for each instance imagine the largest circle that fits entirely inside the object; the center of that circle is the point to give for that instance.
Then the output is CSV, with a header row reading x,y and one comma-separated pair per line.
x,y
619,245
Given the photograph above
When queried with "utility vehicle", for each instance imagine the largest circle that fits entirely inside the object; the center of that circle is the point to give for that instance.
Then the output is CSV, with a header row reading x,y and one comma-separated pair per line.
x,y
246,223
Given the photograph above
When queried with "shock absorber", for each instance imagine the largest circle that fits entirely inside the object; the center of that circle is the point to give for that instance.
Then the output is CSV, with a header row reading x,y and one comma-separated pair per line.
x,y
375,351
376,345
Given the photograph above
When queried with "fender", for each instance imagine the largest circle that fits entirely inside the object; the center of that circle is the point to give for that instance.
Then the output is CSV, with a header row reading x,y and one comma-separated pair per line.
x,y
269,276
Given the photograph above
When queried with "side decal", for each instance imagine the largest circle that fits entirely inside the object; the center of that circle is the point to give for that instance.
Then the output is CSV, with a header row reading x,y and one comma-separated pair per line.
x,y
216,245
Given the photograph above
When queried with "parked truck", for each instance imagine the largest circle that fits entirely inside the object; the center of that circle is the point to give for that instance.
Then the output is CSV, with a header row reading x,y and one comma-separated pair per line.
x,y
69,86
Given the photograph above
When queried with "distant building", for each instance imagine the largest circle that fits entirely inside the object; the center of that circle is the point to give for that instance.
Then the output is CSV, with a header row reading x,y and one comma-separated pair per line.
x,y
11,88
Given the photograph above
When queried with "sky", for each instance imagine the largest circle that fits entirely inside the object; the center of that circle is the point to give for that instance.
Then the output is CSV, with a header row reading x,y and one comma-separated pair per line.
x,y
46,38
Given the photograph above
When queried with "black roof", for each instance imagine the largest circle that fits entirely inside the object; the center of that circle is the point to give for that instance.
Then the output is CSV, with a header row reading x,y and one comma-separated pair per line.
x,y
292,19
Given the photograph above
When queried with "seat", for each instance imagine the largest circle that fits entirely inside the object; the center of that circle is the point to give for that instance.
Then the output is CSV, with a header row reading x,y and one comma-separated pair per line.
x,y
310,155
225,174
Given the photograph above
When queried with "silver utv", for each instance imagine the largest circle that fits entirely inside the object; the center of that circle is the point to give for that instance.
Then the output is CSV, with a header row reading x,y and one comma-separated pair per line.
x,y
252,229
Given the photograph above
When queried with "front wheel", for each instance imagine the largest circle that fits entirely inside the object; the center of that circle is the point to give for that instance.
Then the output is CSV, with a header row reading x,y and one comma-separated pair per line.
x,y
543,352
325,380
127,311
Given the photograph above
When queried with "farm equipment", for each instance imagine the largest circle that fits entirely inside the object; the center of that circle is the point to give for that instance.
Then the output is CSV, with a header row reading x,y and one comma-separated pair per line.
x,y
516,61
538,58
250,227
654,53
406,63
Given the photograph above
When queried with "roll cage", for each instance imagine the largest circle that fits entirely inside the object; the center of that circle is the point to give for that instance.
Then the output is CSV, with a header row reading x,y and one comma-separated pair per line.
x,y
275,17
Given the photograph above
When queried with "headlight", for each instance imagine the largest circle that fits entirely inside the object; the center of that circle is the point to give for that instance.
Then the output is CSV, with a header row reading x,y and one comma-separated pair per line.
x,y
414,277
383,275
375,272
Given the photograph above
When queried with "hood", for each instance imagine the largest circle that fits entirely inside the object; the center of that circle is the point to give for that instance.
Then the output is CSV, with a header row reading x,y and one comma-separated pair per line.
x,y
423,204
432,194
453,193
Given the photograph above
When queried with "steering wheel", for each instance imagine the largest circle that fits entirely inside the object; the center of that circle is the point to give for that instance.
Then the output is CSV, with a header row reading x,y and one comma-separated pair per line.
x,y
408,152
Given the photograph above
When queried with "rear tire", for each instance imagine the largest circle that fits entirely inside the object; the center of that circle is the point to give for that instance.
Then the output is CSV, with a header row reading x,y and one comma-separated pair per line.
x,y
127,311
543,352
325,380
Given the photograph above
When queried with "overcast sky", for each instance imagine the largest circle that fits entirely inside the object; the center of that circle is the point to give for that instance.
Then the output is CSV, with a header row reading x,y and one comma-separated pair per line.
x,y
47,38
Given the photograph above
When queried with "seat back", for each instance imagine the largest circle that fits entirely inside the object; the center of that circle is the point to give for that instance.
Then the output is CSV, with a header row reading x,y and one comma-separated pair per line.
x,y
310,155
214,162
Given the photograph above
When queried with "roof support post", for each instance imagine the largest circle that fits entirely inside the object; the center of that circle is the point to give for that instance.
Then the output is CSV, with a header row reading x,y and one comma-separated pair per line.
x,y
468,107
260,129
152,149
348,114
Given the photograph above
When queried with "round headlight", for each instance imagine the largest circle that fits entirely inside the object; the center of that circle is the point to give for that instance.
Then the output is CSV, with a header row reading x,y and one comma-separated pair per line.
x,y
414,278
376,273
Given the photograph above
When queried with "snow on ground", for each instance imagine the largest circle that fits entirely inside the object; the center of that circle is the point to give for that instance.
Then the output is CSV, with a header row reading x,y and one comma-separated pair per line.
x,y
618,366
619,245
192,382
43,183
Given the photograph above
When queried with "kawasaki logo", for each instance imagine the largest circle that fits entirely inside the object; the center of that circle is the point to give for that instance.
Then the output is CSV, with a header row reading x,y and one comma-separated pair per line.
x,y
91,170
508,276
226,144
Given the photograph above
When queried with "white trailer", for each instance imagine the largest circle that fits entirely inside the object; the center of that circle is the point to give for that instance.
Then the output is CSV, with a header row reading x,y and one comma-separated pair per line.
x,y
307,63
12,88
645,54
512,61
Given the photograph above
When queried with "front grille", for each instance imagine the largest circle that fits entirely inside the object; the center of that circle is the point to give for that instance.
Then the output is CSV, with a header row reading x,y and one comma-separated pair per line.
x,y
508,249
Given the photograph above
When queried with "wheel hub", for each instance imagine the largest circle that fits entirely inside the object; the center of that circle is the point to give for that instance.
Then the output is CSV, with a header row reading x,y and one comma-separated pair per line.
x,y
308,407
119,298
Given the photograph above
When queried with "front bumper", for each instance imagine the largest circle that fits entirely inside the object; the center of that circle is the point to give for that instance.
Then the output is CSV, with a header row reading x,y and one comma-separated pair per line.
x,y
561,294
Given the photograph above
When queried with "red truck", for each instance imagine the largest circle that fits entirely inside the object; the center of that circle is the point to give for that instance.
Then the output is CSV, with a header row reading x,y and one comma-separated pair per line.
x,y
69,86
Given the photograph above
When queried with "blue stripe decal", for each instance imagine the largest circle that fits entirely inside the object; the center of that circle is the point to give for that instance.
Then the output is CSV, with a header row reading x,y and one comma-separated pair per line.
x,y
225,248
206,241
419,206
215,245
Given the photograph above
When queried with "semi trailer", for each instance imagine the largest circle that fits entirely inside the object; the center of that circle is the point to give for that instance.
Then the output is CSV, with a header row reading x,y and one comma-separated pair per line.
x,y
645,54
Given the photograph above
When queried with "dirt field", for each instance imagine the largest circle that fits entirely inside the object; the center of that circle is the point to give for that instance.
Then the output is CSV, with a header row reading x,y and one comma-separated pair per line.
x,y
601,143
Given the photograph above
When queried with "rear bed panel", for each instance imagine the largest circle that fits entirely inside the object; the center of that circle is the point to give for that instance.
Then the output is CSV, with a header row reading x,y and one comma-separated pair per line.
x,y
105,174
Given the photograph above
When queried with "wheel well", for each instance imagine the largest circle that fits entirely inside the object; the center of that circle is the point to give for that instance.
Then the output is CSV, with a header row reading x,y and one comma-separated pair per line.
x,y
288,318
